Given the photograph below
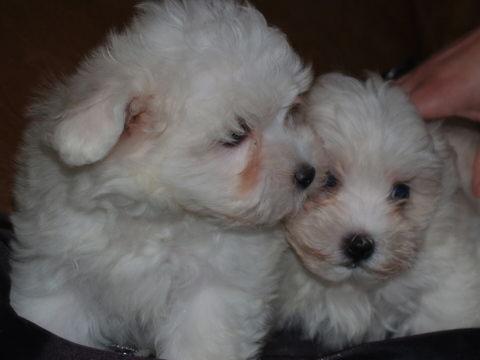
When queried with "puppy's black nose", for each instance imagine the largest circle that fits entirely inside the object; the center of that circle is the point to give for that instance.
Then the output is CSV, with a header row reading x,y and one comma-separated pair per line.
x,y
358,247
304,176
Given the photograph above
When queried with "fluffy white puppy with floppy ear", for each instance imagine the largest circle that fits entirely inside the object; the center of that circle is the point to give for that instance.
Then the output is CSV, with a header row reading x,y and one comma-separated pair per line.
x,y
389,245
152,181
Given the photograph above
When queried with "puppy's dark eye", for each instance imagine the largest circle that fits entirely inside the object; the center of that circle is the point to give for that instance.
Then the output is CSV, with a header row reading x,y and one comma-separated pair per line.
x,y
400,191
236,138
330,182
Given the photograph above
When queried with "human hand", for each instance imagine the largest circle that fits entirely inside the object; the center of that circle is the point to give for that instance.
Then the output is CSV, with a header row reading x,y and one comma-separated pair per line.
x,y
448,84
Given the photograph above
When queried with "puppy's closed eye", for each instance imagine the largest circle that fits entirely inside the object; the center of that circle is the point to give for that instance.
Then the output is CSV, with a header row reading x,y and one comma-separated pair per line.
x,y
237,137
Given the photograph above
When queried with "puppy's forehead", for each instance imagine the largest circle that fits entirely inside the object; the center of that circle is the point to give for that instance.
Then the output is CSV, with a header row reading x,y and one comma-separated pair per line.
x,y
228,93
262,74
367,124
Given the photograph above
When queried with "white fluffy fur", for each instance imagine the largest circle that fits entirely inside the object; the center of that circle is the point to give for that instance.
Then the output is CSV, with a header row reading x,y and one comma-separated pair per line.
x,y
424,274
136,224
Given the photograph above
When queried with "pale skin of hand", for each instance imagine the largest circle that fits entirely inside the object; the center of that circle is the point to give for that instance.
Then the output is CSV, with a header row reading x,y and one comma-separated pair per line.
x,y
448,84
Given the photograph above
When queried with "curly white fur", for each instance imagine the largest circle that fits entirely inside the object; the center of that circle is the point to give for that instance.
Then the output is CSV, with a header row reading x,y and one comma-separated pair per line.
x,y
424,273
152,181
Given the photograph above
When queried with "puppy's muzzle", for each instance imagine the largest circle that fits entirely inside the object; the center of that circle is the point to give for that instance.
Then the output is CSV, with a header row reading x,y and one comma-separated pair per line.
x,y
304,176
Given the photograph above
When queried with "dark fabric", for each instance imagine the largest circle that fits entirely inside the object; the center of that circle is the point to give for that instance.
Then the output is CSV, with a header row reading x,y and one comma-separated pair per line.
x,y
23,340
446,345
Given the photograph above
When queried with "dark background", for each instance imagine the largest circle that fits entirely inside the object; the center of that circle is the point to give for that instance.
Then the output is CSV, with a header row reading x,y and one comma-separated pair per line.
x,y
41,38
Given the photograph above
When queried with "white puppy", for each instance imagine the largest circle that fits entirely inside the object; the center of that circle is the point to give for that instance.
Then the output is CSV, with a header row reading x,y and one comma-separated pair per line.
x,y
152,182
389,244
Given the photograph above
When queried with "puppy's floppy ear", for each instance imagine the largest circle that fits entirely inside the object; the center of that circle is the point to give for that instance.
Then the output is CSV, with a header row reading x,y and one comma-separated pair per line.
x,y
86,132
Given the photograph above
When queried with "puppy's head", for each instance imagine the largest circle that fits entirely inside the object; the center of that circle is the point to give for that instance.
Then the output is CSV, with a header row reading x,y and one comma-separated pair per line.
x,y
381,182
194,107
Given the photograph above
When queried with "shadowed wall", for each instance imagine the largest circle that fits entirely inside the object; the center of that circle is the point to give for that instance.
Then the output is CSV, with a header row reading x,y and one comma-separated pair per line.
x,y
43,39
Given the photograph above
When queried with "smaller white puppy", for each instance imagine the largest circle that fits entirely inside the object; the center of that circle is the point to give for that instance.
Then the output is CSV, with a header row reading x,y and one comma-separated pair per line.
x,y
389,244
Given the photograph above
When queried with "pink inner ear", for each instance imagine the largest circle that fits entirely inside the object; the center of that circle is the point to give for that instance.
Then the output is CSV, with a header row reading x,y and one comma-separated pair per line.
x,y
138,115
298,100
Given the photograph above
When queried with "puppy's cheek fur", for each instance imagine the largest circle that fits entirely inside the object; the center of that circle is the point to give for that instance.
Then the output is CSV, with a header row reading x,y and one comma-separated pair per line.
x,y
401,257
321,200
410,221
399,250
308,253
391,264
301,235
250,175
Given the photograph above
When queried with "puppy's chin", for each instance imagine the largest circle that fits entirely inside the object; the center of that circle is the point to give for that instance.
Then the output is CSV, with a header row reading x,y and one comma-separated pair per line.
x,y
364,275
374,275
332,275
